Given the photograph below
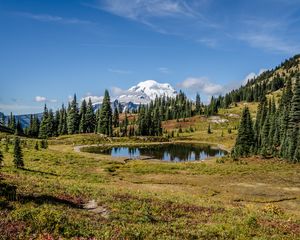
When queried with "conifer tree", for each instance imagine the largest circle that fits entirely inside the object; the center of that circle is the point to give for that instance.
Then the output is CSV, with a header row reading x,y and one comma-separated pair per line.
x,y
294,122
62,124
73,117
19,130
56,120
30,131
43,132
18,156
198,104
105,117
2,120
116,117
50,124
83,122
265,132
245,139
12,122
90,118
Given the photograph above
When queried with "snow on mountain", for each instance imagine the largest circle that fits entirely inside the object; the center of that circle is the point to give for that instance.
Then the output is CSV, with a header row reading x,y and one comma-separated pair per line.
x,y
146,91
142,93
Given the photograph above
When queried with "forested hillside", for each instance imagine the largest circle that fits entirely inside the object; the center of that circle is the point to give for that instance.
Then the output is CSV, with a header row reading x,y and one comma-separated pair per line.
x,y
276,131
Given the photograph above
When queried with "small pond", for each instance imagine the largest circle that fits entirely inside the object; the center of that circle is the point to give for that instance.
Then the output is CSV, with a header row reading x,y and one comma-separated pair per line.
x,y
166,152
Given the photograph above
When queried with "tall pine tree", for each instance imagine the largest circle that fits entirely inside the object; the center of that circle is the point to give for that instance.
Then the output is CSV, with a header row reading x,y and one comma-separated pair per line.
x,y
83,121
90,118
18,155
73,117
198,104
105,117
245,140
294,121
43,132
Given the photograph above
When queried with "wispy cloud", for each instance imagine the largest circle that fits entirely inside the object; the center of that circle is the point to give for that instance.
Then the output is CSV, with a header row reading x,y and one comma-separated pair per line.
x,y
157,14
52,18
164,70
44,99
17,108
94,99
142,9
201,84
209,42
270,43
269,34
119,71
40,99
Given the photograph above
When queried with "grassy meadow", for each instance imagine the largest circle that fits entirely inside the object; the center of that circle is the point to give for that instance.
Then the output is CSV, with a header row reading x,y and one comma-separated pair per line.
x,y
250,198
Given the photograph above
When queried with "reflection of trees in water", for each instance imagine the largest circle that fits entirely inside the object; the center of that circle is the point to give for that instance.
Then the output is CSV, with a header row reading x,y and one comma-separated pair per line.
x,y
182,152
169,152
133,151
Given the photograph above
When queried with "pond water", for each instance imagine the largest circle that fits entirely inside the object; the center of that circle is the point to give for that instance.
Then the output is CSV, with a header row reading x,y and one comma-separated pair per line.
x,y
167,152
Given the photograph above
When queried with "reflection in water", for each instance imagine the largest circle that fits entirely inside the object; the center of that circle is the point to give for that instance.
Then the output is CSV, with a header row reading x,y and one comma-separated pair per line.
x,y
166,152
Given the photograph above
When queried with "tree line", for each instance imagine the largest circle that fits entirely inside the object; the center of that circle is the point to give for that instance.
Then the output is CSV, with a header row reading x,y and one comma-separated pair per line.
x,y
276,129
83,119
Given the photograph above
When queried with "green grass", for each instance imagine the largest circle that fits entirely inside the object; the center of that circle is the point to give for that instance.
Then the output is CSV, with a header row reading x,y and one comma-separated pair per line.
x,y
247,199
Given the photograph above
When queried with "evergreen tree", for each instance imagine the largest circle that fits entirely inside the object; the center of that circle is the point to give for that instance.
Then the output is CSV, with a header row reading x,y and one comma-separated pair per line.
x,y
294,121
19,130
90,118
142,122
34,126
83,121
245,139
56,120
198,104
62,128
18,156
2,120
73,117
12,122
50,124
105,117
265,132
116,117
30,131
43,132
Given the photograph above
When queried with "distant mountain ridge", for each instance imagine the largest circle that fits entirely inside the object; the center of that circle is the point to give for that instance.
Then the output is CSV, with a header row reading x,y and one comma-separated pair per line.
x,y
129,99
23,118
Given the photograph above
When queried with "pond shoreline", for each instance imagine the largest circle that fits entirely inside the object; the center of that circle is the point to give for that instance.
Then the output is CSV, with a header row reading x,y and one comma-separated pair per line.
x,y
204,146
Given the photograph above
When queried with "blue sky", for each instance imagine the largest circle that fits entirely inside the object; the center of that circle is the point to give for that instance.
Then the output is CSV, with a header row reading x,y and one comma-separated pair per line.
x,y
52,49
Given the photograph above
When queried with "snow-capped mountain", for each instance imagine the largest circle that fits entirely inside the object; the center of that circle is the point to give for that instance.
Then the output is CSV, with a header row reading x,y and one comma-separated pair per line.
x,y
146,91
142,93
